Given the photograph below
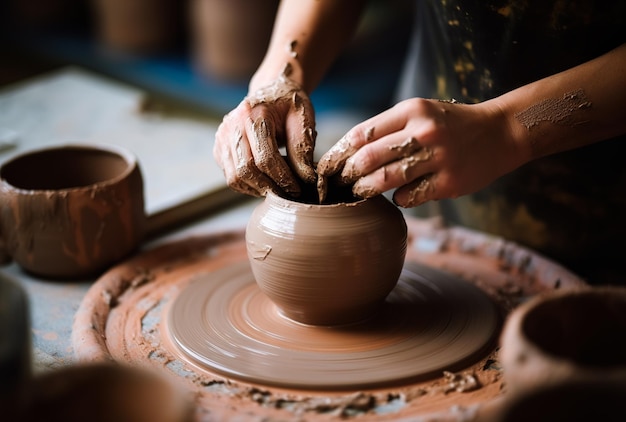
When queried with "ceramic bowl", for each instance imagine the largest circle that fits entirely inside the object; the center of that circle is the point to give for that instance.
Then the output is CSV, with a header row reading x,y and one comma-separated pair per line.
x,y
566,336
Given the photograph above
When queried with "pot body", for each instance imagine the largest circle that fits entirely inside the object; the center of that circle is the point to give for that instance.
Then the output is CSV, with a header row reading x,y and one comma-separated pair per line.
x,y
568,336
326,264
71,211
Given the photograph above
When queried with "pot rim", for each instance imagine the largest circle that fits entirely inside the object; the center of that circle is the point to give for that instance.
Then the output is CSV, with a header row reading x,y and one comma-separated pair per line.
x,y
305,205
117,150
515,325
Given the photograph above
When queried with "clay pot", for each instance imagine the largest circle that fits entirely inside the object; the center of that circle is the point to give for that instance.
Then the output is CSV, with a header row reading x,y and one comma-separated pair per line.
x,y
567,401
138,26
230,37
71,211
326,264
104,392
567,336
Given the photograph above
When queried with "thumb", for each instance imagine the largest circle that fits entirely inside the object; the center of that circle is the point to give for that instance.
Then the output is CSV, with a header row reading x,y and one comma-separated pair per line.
x,y
301,135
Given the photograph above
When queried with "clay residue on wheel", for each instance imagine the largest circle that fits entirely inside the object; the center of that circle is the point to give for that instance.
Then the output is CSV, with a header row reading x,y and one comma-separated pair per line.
x,y
132,330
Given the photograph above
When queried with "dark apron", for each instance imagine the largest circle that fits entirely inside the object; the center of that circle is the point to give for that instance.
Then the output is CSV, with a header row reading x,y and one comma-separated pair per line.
x,y
569,206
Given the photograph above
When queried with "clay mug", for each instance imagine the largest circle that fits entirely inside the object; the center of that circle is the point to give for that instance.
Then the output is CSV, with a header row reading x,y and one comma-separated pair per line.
x,y
70,211
573,335
326,264
598,400
229,37
138,27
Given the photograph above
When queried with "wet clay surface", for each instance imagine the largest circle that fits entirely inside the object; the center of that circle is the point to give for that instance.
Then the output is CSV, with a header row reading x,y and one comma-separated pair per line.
x,y
123,317
431,322
326,264
555,110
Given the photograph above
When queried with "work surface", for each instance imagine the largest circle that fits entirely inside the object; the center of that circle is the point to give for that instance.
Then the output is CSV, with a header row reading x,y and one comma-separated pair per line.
x,y
74,106
173,145
53,303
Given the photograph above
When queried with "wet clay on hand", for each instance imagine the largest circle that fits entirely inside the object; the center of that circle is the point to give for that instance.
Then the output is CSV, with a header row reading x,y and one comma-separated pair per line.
x,y
282,114
401,167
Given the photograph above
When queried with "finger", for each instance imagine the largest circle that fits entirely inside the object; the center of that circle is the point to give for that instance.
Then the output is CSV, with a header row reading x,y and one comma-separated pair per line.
x,y
221,144
247,176
375,128
334,159
224,152
375,155
225,160
416,192
322,188
267,158
218,148
395,174
300,132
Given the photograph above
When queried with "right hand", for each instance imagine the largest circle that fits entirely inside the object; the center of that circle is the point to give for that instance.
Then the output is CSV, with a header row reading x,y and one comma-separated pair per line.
x,y
248,140
426,150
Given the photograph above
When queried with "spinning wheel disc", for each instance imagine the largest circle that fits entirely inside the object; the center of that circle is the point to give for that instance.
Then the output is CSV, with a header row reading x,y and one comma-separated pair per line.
x,y
431,322
124,318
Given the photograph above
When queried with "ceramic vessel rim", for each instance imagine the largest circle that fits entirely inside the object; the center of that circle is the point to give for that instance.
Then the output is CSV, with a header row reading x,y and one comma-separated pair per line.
x,y
125,154
518,317
304,205
566,294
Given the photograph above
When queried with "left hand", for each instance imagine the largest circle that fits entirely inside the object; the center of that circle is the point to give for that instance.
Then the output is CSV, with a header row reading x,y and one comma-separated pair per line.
x,y
247,141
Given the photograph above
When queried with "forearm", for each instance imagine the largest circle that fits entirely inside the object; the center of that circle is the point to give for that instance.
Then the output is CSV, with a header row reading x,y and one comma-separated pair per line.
x,y
308,35
570,109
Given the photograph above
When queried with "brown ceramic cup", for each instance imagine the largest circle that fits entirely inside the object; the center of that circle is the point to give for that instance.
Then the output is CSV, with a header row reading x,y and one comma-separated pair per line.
x,y
70,211
138,26
230,37
570,401
574,335
326,264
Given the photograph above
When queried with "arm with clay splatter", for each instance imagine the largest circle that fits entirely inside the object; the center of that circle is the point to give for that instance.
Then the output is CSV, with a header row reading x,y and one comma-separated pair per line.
x,y
431,149
277,112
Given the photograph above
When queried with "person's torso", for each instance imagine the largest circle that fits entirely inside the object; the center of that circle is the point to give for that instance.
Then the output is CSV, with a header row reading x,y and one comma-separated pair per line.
x,y
570,206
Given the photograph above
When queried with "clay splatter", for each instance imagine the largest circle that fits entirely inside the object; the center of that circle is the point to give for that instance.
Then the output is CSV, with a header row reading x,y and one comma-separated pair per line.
x,y
555,110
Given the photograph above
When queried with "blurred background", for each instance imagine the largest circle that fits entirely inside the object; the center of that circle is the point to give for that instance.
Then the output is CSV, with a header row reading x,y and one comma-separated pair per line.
x,y
201,52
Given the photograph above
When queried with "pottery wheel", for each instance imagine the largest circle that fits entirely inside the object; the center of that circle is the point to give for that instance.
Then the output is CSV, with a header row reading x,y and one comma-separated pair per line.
x,y
431,322
129,315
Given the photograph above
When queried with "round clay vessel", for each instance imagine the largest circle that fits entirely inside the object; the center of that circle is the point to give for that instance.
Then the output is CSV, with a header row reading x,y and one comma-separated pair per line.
x,y
566,401
230,37
570,335
326,264
141,27
71,211
104,392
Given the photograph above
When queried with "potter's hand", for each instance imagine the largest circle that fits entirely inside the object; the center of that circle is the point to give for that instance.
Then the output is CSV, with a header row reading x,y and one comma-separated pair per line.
x,y
248,140
428,149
